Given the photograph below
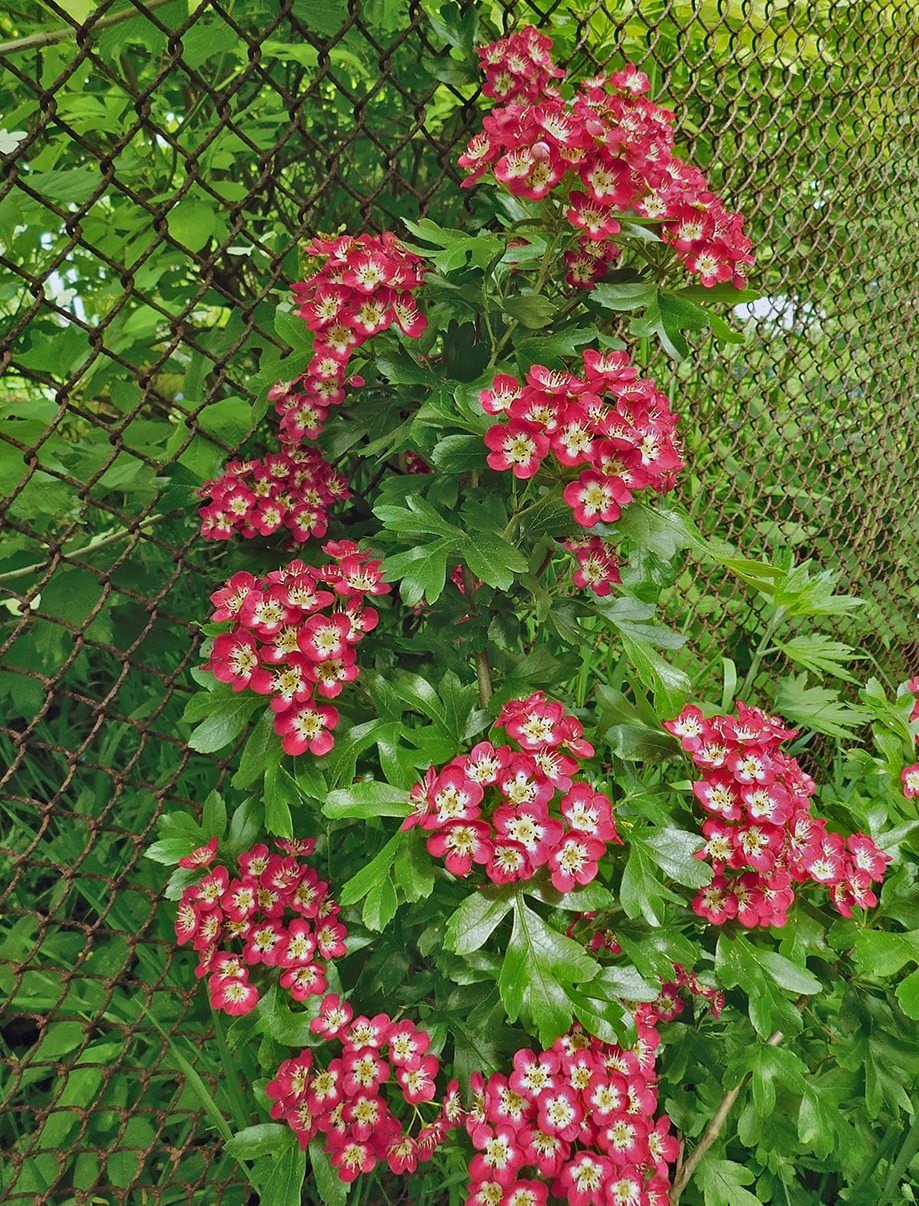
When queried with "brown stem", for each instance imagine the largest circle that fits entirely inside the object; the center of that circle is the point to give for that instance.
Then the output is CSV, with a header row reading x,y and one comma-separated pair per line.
x,y
712,1131
47,37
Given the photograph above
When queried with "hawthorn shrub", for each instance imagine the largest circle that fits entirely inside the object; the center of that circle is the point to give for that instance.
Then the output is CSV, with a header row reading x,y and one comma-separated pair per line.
x,y
527,915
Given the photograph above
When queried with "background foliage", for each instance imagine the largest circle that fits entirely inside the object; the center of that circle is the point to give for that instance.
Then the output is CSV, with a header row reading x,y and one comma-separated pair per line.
x,y
162,172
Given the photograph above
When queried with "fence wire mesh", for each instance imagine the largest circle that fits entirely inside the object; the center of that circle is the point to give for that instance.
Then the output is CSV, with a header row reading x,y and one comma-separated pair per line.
x,y
163,164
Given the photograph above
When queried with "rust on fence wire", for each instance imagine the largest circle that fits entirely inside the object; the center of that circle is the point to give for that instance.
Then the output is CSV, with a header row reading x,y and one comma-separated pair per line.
x,y
163,163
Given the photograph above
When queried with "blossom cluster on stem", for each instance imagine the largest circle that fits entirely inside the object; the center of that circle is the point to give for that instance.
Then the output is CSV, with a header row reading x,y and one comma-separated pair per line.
x,y
292,637
573,1123
761,838
290,489
363,284
354,1096
606,154
612,428
495,806
273,911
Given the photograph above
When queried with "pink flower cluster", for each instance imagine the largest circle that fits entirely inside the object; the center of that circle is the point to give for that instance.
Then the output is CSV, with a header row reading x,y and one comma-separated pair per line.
x,y
574,1122
598,566
616,428
669,1003
608,152
275,911
600,939
761,838
350,1097
520,65
363,285
910,774
292,637
513,832
290,489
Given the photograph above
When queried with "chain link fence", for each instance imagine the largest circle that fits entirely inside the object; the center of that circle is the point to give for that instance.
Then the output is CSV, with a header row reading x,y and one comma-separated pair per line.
x,y
163,163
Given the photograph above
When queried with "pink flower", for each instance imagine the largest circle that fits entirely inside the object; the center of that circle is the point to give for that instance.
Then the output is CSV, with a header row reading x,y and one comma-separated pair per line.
x,y
234,996
462,843
574,861
910,778
519,446
201,856
307,727
334,1015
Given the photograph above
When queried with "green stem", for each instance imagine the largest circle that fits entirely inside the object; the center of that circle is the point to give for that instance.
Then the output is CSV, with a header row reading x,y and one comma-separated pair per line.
x,y
901,1164
544,266
47,37
712,1131
482,669
760,652
98,543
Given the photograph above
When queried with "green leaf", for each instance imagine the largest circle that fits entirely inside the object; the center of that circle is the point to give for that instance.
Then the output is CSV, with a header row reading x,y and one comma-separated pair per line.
x,y
538,966
670,686
492,559
279,794
818,708
624,983
268,1138
191,223
330,1187
821,654
803,592
472,924
908,995
284,1184
380,905
294,331
413,869
531,310
457,249
604,1018
262,749
226,719
357,887
421,572
793,977
638,743
168,851
245,826
581,899
421,696
720,293
673,850
627,296
549,349
722,1183
879,953
459,453
339,765
769,1064
214,816
367,798
298,52
641,892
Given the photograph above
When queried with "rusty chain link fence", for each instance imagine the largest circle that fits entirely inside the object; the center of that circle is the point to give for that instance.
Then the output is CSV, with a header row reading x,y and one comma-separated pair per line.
x,y
163,163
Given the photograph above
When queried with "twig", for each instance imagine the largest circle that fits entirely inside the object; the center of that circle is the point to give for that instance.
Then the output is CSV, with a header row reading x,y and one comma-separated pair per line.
x,y
47,37
712,1131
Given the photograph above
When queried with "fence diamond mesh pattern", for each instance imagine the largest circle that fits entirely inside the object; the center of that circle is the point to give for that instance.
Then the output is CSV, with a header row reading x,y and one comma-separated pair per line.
x,y
163,164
